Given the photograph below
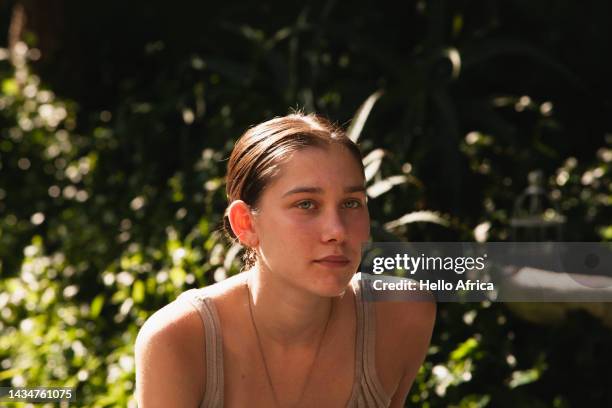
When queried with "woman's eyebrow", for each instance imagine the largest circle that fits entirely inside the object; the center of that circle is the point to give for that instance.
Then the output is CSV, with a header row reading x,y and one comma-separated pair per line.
x,y
319,190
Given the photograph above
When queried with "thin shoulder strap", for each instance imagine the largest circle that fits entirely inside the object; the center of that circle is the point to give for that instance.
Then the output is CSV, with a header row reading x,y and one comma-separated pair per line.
x,y
213,345
373,393
359,335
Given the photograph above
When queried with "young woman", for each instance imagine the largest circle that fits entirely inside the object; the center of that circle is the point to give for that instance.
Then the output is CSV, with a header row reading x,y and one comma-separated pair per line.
x,y
292,330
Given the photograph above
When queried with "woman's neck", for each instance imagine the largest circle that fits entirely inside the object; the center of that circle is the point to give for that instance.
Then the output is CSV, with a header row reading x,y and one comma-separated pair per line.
x,y
284,313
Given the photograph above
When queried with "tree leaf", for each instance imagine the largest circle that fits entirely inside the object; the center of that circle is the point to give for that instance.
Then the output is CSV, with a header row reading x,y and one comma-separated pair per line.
x,y
382,186
96,306
354,130
417,216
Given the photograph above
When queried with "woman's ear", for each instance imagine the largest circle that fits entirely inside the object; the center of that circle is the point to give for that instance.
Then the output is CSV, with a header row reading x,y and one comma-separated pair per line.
x,y
241,221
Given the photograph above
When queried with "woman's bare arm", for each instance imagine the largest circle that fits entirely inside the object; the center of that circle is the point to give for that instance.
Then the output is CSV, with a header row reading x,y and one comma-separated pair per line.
x,y
418,329
170,358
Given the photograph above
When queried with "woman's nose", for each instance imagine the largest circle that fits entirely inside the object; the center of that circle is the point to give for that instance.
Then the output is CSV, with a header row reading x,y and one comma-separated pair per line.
x,y
333,226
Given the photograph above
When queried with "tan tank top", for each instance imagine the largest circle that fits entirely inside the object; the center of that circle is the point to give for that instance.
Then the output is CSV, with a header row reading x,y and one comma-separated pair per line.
x,y
367,391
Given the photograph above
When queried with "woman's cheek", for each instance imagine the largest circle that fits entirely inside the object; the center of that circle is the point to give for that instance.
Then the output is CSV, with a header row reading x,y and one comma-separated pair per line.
x,y
363,230
303,223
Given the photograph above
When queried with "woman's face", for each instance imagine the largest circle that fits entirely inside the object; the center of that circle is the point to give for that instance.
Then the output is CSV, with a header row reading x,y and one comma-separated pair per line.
x,y
313,219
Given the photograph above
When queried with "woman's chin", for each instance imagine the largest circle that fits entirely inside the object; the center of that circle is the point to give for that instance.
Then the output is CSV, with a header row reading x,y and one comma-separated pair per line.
x,y
333,287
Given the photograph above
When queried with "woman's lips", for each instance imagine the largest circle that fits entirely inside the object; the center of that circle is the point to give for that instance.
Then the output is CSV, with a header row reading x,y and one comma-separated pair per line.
x,y
333,261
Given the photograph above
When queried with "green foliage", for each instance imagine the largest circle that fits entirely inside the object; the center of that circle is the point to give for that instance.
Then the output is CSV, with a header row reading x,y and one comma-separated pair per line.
x,y
73,302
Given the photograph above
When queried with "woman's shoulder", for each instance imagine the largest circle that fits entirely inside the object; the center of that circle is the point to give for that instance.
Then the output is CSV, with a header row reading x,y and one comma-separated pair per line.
x,y
224,296
222,290
169,358
179,320
414,315
406,322
403,334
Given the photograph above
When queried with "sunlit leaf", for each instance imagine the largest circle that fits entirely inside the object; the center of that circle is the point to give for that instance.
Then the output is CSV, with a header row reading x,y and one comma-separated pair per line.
x,y
10,87
359,120
382,186
524,377
96,306
464,349
138,291
418,216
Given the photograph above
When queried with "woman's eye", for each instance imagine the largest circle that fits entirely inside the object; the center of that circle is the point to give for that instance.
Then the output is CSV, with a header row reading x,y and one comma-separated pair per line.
x,y
310,205
305,205
353,204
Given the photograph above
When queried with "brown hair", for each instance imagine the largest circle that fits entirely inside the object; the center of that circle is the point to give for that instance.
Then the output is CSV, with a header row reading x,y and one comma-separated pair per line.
x,y
259,152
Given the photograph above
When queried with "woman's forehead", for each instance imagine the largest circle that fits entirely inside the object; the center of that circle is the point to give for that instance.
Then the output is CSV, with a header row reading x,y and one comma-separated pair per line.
x,y
319,169
328,159
313,189
321,158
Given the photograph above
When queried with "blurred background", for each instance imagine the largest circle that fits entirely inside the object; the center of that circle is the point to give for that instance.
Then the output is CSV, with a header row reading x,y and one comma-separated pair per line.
x,y
117,119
